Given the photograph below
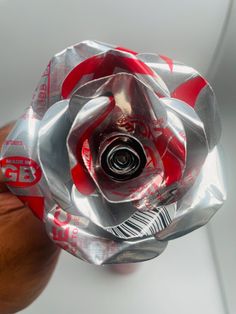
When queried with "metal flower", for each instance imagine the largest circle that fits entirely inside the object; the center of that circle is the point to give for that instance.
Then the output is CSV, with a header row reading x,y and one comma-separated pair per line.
x,y
117,153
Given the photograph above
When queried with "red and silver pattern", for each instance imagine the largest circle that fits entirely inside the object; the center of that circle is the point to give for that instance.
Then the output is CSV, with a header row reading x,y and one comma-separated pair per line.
x,y
117,153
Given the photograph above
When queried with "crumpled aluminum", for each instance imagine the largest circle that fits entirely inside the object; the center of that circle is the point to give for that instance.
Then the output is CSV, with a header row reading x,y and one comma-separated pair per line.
x,y
117,153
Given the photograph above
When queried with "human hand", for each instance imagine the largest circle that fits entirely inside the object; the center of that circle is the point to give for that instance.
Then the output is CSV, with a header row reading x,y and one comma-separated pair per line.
x,y
27,256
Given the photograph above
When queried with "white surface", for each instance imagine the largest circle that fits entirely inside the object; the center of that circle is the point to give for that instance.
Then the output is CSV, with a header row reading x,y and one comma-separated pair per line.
x,y
223,225
32,31
182,280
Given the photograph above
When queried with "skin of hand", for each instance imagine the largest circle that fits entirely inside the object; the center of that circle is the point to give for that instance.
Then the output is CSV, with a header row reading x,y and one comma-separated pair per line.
x,y
27,256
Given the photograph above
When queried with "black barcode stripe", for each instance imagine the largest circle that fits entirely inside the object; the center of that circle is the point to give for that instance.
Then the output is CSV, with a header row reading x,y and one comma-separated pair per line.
x,y
130,230
158,218
140,218
143,223
163,221
133,225
122,231
169,218
115,233
166,216
135,221
155,217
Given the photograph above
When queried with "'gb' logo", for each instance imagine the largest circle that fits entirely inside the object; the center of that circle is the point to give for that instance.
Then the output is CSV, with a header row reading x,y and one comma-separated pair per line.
x,y
20,171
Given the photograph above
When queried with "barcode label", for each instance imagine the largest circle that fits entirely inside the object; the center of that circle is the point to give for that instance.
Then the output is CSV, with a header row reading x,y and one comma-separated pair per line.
x,y
145,223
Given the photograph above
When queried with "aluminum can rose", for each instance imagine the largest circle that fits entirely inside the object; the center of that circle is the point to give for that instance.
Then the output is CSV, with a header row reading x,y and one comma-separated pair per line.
x,y
117,153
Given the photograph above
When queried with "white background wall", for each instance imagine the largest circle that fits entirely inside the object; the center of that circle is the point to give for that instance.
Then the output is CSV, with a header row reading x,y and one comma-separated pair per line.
x,y
223,229
32,31
189,277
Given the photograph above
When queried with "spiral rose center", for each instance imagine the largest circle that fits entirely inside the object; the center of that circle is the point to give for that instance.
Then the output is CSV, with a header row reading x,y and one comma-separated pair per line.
x,y
123,158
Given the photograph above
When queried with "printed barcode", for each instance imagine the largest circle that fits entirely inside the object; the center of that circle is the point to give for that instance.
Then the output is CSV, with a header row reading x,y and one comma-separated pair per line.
x,y
145,223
